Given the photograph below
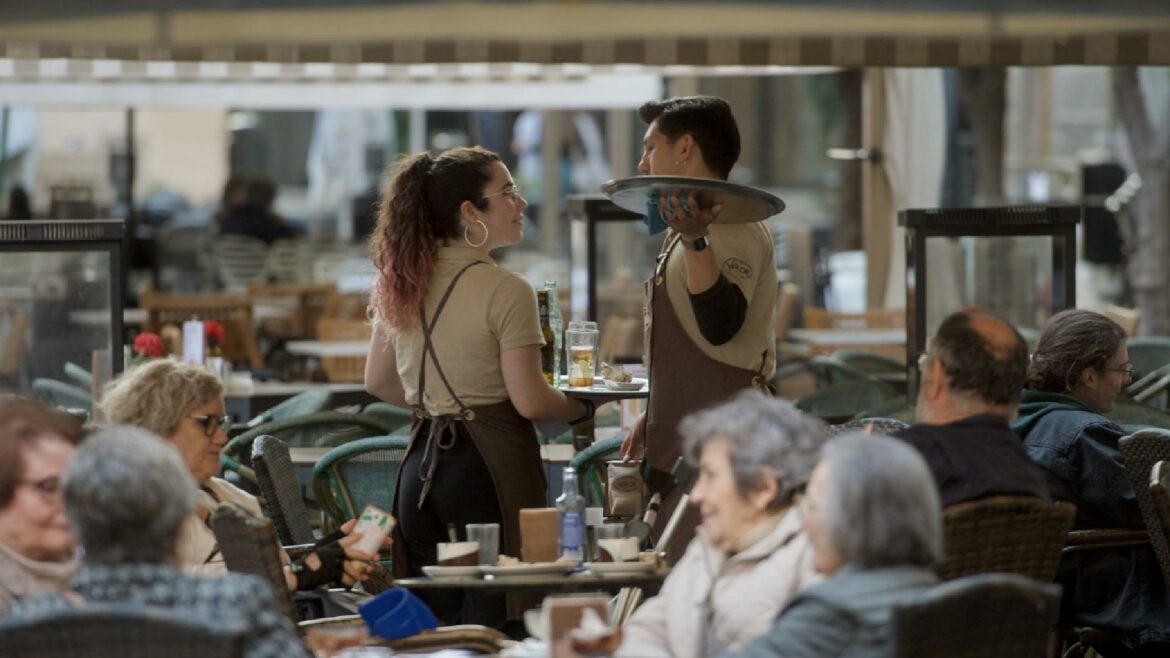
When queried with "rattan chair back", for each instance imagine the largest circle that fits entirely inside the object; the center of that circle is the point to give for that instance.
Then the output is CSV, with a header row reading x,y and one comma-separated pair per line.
x,y
1141,451
281,491
1014,534
358,473
121,630
982,616
249,545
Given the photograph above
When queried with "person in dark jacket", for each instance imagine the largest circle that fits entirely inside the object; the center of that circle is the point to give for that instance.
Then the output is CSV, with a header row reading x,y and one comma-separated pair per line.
x,y
876,556
1079,368
969,389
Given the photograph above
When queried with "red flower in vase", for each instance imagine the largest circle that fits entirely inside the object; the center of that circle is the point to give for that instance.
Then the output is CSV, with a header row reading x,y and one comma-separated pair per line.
x,y
149,345
213,332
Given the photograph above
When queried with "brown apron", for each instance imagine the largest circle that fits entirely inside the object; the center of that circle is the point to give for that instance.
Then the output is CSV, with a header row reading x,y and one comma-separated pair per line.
x,y
505,440
683,379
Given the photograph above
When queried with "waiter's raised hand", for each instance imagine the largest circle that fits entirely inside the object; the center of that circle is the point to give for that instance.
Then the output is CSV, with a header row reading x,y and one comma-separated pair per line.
x,y
684,214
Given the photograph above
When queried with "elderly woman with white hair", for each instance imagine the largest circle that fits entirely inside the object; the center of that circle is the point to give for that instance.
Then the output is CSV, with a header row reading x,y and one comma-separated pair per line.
x,y
128,495
751,554
873,518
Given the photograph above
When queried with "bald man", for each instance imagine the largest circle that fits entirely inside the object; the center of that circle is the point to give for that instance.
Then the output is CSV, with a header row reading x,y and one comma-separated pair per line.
x,y
972,374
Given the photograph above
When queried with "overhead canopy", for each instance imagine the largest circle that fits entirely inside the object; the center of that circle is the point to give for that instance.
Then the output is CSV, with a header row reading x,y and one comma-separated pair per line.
x,y
685,33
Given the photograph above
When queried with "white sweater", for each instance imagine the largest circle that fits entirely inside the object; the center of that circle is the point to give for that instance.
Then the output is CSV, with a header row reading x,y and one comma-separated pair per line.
x,y
196,549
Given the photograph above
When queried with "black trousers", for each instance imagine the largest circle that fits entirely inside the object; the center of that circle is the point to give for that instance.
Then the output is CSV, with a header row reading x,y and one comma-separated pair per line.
x,y
462,492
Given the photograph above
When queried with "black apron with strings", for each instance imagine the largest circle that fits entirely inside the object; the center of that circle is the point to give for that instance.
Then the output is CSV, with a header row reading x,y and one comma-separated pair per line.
x,y
683,379
504,439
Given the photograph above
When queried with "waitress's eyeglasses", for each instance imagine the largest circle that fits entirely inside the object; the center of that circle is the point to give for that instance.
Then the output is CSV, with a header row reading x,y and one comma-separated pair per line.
x,y
211,423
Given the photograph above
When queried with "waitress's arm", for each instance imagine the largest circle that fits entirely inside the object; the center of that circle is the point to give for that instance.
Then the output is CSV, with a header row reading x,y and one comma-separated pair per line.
x,y
529,392
381,379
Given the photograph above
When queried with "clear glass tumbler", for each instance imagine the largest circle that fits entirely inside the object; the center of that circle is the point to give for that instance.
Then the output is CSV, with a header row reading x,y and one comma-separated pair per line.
x,y
581,341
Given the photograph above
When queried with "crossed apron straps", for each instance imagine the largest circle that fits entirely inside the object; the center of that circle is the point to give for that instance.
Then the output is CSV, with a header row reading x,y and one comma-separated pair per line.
x,y
441,435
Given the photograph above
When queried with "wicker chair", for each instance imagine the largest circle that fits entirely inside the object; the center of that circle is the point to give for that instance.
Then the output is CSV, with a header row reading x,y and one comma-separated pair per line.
x,y
869,424
1142,451
1015,534
983,616
233,311
323,429
358,473
282,493
121,630
249,545
590,465
60,394
240,260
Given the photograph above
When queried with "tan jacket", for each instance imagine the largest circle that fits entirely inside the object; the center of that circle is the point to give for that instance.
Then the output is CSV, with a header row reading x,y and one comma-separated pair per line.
x,y
196,549
711,603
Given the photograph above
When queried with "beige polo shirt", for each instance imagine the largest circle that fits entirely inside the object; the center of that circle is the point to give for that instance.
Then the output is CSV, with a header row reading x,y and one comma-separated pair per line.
x,y
744,254
491,311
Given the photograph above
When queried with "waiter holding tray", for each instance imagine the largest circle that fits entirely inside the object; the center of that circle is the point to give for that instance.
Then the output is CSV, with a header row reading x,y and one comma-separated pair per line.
x,y
708,307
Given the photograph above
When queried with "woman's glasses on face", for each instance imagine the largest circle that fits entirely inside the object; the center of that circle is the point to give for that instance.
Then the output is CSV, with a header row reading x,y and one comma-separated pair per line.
x,y
1125,369
211,423
513,192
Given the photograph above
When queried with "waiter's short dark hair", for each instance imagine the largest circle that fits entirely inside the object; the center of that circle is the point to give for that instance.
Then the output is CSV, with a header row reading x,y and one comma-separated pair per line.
x,y
978,365
707,119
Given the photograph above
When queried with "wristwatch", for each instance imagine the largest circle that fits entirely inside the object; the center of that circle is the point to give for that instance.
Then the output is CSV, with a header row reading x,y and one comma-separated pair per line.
x,y
698,244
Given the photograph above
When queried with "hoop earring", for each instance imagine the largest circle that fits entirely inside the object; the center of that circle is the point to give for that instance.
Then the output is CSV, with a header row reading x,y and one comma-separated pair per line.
x,y
467,235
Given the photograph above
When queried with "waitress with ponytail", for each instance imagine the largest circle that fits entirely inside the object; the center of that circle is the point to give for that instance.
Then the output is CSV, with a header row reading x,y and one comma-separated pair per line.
x,y
458,339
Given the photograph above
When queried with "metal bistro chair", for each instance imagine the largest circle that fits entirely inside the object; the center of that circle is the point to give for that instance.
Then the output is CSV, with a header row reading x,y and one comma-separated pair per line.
x,y
322,429
81,377
844,400
307,402
358,473
398,416
983,616
63,395
590,465
1016,534
121,630
281,491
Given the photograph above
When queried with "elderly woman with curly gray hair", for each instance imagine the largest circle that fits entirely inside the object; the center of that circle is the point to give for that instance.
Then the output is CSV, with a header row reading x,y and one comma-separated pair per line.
x,y
751,554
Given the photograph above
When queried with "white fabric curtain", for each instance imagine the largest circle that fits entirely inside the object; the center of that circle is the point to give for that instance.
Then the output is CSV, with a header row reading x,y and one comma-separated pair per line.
x,y
914,152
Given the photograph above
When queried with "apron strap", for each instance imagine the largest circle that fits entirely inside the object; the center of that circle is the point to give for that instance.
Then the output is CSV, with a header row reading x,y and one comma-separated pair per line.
x,y
441,434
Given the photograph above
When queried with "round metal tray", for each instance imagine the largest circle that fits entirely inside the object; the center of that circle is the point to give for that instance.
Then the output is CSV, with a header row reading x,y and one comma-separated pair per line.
x,y
741,204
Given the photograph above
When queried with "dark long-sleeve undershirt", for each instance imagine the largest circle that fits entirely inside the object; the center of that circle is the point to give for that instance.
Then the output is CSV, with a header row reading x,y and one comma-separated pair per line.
x,y
719,310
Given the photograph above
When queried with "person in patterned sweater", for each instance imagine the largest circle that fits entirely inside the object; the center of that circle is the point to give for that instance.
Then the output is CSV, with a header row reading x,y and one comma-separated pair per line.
x,y
127,495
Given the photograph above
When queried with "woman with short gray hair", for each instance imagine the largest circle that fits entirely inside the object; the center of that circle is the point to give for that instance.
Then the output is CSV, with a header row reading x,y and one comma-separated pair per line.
x,y
127,495
874,521
751,554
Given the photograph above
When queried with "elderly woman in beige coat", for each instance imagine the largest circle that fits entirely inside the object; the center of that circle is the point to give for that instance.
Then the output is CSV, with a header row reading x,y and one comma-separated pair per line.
x,y
754,453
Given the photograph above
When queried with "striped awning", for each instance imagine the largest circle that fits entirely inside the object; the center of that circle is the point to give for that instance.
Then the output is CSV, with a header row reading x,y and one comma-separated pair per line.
x,y
600,34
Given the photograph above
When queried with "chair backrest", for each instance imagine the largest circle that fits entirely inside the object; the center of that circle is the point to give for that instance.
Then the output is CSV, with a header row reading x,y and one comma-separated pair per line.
x,y
878,318
121,630
844,400
983,616
1160,497
1141,451
320,430
398,416
872,425
240,260
286,260
81,377
63,395
308,402
1015,534
590,465
358,473
249,545
232,311
282,493
344,368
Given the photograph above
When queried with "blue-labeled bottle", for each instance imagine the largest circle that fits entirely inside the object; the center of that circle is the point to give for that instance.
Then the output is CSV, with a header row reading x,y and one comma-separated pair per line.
x,y
571,505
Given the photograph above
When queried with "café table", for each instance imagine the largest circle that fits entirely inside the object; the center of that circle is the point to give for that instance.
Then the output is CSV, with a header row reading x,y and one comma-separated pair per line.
x,y
582,581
